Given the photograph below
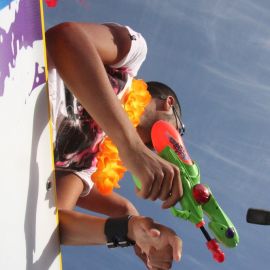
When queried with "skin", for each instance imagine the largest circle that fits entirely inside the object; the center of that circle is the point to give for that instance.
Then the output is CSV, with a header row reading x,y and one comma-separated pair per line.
x,y
82,69
156,245
151,238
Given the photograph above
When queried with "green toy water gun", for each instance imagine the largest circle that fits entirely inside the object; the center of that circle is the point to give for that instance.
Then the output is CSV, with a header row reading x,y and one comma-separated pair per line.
x,y
197,198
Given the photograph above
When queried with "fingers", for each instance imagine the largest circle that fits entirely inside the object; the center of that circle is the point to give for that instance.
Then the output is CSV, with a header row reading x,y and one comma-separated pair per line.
x,y
156,187
149,228
160,236
176,244
154,233
158,244
146,188
160,259
176,190
160,179
152,187
159,265
166,186
140,254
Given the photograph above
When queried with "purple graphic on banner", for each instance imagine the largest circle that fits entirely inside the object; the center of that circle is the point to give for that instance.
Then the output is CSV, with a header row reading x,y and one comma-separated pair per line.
x,y
23,31
39,78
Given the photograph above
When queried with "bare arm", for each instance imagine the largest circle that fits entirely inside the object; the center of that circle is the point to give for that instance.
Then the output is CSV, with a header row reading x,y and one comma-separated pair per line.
x,y
112,205
79,52
81,229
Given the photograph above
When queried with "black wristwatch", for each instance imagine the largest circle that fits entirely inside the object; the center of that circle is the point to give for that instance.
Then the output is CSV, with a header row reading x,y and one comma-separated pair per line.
x,y
116,230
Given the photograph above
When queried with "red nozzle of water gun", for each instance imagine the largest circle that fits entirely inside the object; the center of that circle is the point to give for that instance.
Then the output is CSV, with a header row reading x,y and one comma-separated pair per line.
x,y
218,254
51,3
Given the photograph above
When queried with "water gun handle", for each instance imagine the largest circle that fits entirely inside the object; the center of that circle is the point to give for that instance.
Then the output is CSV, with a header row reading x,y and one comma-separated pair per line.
x,y
212,244
137,182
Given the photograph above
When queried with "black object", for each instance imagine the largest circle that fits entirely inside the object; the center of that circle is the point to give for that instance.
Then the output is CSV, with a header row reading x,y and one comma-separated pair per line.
x,y
116,230
205,233
132,37
258,216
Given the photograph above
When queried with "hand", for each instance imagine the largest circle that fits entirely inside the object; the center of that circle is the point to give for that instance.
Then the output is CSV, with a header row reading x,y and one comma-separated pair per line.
x,y
159,178
141,255
157,259
157,245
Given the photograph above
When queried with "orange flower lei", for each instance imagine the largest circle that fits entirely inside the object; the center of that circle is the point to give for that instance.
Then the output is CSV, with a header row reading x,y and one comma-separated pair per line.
x,y
110,168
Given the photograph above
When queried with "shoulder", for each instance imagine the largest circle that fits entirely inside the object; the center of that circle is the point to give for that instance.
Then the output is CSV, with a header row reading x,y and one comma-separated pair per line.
x,y
136,55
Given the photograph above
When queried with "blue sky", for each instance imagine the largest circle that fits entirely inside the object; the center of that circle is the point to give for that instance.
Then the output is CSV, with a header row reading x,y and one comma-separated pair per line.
x,y
4,3
216,55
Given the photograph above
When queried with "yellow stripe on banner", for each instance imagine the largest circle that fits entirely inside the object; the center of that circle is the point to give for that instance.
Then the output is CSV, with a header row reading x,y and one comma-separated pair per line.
x,y
49,116
43,38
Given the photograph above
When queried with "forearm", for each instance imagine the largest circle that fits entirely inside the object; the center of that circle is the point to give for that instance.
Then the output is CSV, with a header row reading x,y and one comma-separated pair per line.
x,y
113,205
80,229
82,70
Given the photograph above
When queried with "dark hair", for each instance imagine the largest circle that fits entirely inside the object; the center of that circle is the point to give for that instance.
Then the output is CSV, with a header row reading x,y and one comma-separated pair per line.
x,y
158,89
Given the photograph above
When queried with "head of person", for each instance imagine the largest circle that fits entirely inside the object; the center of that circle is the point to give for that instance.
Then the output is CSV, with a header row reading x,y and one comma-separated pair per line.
x,y
165,106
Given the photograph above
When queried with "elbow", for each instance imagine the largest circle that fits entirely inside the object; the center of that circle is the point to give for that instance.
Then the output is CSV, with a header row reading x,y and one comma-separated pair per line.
x,y
59,30
57,36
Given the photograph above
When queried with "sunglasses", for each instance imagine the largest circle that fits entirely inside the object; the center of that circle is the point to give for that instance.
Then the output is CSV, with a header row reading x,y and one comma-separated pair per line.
x,y
181,128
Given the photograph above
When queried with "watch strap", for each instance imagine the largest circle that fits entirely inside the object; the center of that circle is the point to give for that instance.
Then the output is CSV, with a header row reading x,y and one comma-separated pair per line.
x,y
116,230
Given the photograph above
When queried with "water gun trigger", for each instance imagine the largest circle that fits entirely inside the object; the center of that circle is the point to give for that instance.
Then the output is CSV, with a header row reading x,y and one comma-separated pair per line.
x,y
184,214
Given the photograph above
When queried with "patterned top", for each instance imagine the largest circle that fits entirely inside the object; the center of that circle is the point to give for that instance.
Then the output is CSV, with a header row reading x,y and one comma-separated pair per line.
x,y
79,136
76,135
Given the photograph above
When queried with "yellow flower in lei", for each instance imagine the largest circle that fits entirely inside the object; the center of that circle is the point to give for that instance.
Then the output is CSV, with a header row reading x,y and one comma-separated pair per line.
x,y
110,168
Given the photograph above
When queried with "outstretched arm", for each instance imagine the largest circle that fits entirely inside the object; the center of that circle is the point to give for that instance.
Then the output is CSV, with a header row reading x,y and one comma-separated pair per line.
x,y
152,238
79,52
90,229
